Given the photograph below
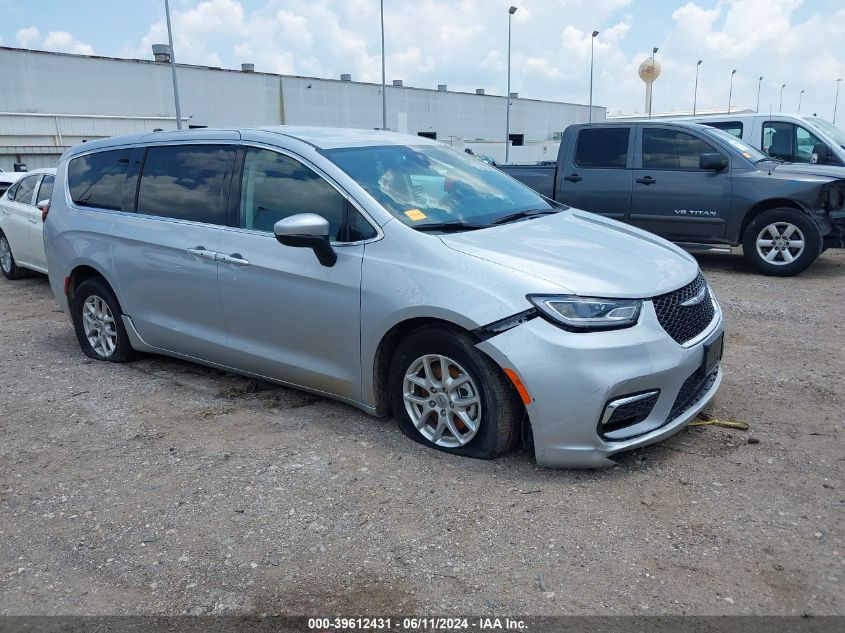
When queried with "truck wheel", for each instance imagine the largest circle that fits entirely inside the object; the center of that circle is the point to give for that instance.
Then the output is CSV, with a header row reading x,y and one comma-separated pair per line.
x,y
782,242
448,395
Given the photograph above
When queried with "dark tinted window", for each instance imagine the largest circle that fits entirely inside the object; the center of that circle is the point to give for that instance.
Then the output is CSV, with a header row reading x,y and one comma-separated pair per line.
x,y
602,147
187,182
276,186
731,127
96,180
665,148
24,191
46,190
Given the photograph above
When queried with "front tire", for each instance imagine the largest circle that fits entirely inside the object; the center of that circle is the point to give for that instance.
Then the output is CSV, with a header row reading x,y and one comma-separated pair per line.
x,y
97,320
447,395
782,242
10,269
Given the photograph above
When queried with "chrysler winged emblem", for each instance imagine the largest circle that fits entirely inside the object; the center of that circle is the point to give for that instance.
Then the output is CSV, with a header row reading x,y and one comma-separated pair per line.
x,y
696,299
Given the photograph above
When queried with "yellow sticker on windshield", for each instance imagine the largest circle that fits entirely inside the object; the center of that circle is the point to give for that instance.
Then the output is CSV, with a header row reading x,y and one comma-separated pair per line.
x,y
746,154
416,215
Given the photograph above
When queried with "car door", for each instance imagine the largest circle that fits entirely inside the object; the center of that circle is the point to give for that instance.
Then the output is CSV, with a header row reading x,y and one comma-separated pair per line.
x,y
289,317
16,217
36,224
595,174
164,253
673,197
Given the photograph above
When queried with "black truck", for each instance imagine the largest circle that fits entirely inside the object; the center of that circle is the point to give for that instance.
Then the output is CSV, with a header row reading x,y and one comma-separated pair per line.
x,y
700,187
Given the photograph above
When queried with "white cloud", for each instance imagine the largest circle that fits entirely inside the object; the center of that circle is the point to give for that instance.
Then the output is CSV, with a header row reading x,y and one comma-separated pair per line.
x,y
28,36
57,41
464,43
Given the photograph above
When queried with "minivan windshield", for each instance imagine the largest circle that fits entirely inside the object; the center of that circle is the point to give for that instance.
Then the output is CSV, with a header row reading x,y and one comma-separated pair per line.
x,y
428,185
748,152
830,131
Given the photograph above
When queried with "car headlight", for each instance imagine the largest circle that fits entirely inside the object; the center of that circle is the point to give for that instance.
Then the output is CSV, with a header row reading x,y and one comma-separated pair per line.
x,y
584,314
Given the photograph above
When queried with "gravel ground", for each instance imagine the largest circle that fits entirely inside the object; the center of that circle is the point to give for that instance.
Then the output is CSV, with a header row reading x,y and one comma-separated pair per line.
x,y
161,487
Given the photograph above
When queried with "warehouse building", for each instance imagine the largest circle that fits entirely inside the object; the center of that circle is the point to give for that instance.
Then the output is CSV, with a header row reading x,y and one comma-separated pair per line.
x,y
51,101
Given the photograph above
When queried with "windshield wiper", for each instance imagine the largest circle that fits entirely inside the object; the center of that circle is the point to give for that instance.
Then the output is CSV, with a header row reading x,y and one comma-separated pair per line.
x,y
771,158
450,226
528,213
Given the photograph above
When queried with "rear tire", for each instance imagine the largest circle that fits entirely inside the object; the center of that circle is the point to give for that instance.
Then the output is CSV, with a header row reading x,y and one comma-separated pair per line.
x,y
475,413
96,316
782,242
10,269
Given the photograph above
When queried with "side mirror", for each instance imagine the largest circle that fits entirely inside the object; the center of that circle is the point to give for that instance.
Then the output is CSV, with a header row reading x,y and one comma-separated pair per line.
x,y
44,207
712,162
307,230
821,154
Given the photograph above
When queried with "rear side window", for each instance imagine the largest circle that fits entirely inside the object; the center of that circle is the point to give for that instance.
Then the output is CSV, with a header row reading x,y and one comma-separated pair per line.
x,y
602,147
187,182
23,194
731,127
46,190
96,180
665,148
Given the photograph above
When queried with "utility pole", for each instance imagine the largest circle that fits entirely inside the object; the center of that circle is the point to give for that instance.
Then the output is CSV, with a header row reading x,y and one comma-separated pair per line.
x,y
592,40
759,83
173,67
695,93
836,101
731,91
383,85
511,11
780,105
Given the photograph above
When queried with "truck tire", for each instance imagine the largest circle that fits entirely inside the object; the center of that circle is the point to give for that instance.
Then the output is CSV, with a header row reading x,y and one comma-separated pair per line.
x,y
782,242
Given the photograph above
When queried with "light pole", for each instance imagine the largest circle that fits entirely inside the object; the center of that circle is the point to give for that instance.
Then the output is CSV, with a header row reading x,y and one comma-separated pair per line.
x,y
592,40
731,91
651,96
383,86
836,100
759,83
800,94
511,11
173,67
695,92
780,105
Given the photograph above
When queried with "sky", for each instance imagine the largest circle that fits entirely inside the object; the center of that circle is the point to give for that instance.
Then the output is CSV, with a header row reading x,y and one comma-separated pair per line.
x,y
463,43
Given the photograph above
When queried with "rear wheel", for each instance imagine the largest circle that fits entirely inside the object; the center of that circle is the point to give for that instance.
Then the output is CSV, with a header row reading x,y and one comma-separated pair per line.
x,y
7,261
448,395
782,242
97,320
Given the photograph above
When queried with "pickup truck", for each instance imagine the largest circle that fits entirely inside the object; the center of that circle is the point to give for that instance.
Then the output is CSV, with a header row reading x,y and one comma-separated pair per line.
x,y
700,187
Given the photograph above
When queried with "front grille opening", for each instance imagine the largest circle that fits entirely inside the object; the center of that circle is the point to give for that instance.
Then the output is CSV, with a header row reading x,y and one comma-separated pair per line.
x,y
626,411
693,389
684,322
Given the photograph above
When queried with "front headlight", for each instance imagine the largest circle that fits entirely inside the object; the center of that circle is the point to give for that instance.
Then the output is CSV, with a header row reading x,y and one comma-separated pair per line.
x,y
583,314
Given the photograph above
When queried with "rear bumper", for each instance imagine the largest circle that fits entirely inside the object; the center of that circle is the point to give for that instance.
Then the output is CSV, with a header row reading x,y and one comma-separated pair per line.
x,y
571,377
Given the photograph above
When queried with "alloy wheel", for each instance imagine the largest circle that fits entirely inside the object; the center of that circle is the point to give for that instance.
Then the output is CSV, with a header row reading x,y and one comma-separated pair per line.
x,y
99,326
442,401
780,243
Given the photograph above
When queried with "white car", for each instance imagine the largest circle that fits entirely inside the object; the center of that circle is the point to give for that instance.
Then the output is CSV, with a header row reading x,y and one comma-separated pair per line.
x,y
8,178
22,211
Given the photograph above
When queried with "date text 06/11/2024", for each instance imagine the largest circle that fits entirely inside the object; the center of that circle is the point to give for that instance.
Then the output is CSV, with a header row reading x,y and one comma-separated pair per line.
x,y
415,624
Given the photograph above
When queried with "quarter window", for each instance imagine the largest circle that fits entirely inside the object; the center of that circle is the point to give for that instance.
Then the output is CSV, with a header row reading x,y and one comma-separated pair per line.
x,y
25,189
187,182
731,127
46,190
276,186
602,147
96,180
665,148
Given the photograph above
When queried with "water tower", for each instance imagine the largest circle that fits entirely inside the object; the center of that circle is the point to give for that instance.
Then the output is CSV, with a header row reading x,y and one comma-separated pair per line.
x,y
649,71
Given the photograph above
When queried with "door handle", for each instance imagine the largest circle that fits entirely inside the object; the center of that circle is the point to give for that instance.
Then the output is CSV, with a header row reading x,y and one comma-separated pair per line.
x,y
646,180
572,178
234,258
200,251
32,220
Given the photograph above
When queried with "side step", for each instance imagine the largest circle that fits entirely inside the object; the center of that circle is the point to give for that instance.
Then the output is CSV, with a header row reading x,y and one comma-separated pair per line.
x,y
695,247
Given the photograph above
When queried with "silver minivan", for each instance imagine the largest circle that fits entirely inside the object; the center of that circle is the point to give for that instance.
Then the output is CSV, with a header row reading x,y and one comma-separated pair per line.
x,y
390,272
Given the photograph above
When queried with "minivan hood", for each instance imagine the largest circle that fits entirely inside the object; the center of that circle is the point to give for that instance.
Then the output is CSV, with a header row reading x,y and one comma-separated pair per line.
x,y
584,253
